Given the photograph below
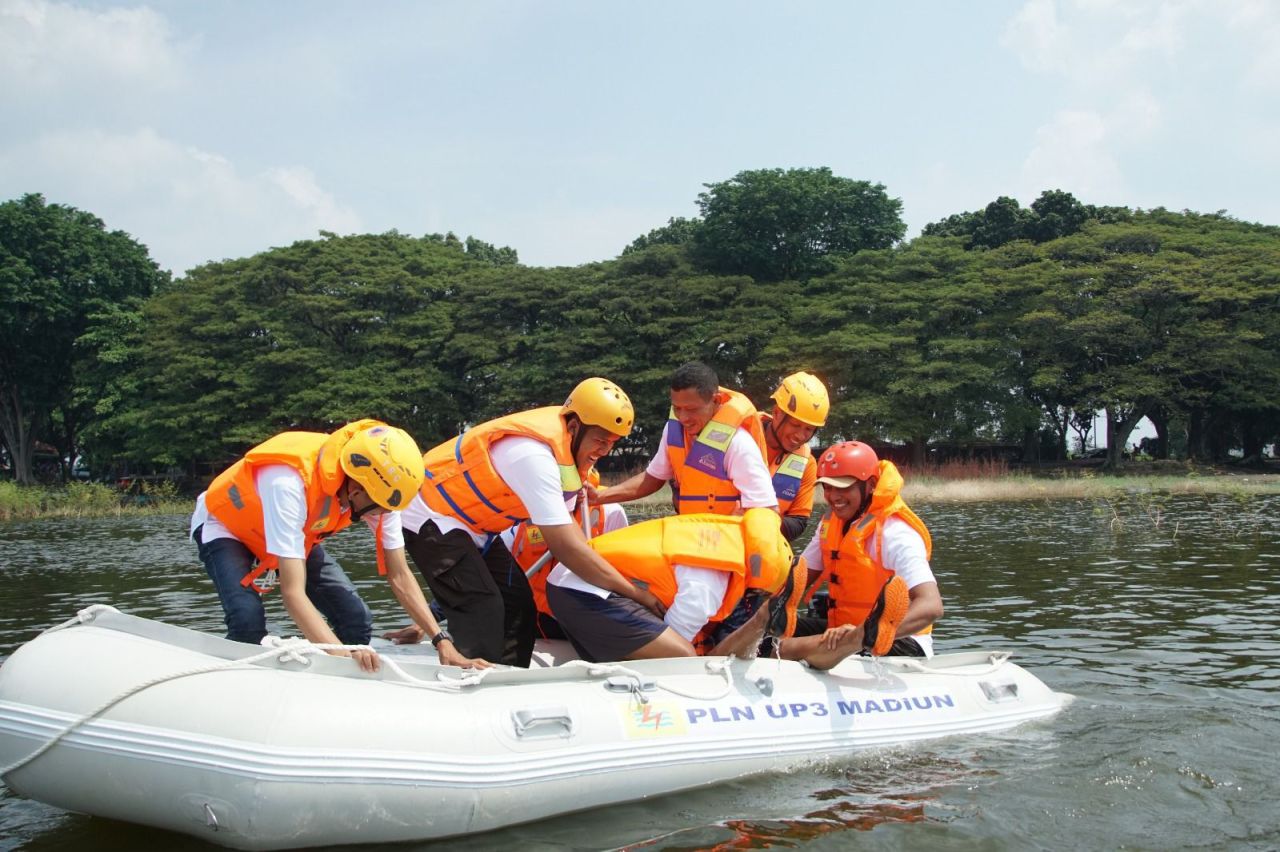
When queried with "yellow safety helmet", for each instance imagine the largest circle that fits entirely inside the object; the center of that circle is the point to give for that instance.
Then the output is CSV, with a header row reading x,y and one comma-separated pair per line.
x,y
804,397
387,464
599,402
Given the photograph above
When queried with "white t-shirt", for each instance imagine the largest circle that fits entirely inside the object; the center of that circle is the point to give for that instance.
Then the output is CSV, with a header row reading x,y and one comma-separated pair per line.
x,y
284,514
744,464
530,469
904,555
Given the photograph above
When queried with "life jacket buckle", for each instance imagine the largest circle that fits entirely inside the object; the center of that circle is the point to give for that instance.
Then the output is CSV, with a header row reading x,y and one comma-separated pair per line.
x,y
266,581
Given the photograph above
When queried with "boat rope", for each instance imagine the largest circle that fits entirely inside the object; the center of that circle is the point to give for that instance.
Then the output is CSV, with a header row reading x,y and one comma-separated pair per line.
x,y
996,659
295,650
714,666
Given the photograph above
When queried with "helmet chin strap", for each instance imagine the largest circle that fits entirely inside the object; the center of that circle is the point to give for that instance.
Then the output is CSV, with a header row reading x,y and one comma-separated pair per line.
x,y
357,514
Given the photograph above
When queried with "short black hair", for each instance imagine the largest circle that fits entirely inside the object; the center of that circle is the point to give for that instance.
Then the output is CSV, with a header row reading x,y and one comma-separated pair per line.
x,y
698,376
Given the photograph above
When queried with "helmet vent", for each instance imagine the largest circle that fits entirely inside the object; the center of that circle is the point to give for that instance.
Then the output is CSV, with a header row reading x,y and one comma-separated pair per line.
x,y
358,460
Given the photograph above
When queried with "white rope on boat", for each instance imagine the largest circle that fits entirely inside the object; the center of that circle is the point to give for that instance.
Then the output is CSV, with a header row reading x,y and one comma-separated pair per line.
x,y
721,667
996,659
295,650
84,616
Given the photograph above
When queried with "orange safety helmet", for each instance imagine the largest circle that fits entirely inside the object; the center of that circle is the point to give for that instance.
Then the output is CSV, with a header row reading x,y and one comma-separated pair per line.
x,y
847,462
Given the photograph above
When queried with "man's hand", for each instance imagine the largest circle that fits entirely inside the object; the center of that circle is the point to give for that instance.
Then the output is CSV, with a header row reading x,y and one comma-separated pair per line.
x,y
411,635
837,636
649,601
368,660
450,656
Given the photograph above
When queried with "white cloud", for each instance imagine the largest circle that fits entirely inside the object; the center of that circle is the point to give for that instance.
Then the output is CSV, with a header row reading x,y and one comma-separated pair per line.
x,y
1101,45
49,46
186,204
1072,152
1258,23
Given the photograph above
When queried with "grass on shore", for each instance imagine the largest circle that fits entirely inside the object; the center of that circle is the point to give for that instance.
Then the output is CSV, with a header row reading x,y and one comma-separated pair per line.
x,y
1019,487
1015,487
85,500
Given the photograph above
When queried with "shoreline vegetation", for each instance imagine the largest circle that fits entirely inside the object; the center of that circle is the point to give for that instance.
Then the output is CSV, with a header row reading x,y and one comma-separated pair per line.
x,y
95,500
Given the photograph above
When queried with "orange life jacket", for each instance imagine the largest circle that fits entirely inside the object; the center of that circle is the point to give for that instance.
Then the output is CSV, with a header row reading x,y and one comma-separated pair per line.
x,y
462,482
702,478
855,577
529,546
647,553
233,497
790,471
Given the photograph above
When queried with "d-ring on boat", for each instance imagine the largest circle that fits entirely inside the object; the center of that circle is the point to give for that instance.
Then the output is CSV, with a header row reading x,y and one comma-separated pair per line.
x,y
282,747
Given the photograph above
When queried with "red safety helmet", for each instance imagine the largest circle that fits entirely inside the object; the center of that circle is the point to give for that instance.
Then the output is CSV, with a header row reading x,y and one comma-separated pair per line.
x,y
847,462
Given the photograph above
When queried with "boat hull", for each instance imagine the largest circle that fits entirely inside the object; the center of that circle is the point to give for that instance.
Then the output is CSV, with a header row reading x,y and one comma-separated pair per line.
x,y
285,754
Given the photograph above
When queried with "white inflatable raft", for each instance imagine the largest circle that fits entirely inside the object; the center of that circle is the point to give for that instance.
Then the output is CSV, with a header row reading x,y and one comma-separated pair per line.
x,y
257,748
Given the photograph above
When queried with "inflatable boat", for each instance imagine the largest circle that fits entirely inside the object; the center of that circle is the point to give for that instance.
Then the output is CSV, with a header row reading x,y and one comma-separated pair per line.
x,y
283,747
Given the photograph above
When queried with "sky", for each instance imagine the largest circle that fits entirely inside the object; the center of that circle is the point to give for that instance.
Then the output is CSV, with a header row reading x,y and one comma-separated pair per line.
x,y
567,128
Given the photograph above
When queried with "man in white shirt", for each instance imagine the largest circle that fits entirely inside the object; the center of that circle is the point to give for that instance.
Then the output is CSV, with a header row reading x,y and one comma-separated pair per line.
x,y
875,553
524,466
268,513
699,566
712,451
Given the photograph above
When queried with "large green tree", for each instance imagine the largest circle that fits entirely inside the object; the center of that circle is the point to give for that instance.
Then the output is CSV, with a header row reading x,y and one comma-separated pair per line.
x,y
66,283
776,224
307,336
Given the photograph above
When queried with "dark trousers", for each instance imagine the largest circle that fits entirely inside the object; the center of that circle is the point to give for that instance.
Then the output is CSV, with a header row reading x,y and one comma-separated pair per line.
x,y
227,560
483,595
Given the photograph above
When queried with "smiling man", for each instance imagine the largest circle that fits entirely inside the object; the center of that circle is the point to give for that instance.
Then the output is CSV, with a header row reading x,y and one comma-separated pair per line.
x,y
800,406
713,450
874,551
528,466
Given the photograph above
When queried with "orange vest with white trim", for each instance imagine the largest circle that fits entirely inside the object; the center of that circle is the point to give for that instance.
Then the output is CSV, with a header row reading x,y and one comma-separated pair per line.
x,y
794,477
461,481
529,546
854,575
233,497
702,477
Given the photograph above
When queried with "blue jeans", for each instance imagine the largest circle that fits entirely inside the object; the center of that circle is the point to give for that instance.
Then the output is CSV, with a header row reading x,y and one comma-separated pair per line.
x,y
227,561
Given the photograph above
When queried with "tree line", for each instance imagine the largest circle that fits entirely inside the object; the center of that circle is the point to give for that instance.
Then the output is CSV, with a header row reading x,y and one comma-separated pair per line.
x,y
1004,324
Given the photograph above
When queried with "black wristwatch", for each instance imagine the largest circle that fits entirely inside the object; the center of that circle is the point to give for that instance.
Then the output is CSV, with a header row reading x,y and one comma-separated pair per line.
x,y
440,637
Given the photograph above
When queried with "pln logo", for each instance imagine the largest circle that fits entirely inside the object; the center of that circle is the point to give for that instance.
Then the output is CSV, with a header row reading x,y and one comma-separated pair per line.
x,y
654,720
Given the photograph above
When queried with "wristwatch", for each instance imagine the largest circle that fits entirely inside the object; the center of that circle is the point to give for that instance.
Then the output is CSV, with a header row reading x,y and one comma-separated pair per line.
x,y
440,637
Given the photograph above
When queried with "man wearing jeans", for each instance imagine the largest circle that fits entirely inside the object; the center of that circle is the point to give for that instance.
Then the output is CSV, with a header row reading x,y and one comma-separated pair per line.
x,y
267,514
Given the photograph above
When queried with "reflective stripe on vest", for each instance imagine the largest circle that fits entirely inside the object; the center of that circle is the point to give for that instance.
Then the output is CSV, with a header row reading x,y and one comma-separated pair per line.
x,y
462,482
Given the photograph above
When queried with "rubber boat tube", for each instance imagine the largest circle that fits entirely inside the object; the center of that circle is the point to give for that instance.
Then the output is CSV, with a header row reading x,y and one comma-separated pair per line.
x,y
172,728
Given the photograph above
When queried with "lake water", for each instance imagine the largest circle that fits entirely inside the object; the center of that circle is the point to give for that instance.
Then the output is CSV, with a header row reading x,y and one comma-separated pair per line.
x,y
1160,614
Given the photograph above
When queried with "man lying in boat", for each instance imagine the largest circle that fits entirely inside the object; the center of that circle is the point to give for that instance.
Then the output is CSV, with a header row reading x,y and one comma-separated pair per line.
x,y
874,552
528,465
699,566
267,514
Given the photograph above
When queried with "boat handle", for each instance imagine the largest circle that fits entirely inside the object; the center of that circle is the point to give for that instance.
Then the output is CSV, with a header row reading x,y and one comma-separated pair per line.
x,y
625,683
531,718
